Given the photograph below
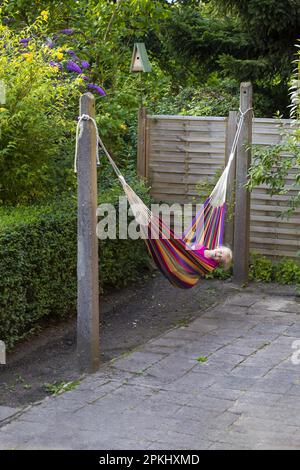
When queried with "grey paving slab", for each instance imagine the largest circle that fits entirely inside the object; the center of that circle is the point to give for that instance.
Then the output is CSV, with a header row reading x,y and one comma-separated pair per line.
x,y
224,381
7,412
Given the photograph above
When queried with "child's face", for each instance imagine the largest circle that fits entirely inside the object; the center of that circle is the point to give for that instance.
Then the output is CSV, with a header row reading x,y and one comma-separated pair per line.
x,y
221,255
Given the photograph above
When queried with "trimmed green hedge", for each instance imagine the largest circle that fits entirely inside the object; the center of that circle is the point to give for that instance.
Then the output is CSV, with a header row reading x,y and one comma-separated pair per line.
x,y
38,264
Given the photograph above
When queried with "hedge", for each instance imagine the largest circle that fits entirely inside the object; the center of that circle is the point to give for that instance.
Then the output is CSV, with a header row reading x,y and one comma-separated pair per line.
x,y
38,265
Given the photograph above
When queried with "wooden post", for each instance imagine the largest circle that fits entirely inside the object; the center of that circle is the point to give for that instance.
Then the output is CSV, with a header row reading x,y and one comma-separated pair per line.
x,y
242,204
141,143
87,260
230,133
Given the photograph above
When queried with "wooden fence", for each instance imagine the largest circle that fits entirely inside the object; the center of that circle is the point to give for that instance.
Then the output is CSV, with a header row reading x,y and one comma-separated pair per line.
x,y
175,153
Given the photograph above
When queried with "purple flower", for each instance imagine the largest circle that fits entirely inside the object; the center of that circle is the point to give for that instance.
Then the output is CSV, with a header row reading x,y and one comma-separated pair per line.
x,y
86,78
25,40
72,67
54,64
73,55
96,88
8,20
68,31
49,43
85,64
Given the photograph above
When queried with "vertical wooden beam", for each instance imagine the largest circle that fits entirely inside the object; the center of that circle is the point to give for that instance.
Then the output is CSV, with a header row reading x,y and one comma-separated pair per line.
x,y
141,143
87,260
230,133
242,204
147,147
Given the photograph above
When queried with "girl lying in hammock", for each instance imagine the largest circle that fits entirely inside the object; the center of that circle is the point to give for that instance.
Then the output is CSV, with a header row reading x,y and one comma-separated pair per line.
x,y
221,255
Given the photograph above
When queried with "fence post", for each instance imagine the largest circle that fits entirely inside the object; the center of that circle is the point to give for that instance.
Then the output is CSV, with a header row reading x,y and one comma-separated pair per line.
x,y
87,257
242,196
141,143
230,133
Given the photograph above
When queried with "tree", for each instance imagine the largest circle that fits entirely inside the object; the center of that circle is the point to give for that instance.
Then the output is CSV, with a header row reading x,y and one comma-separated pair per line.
x,y
242,39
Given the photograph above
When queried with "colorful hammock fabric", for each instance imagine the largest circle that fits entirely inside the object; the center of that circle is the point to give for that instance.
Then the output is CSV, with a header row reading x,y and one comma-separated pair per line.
x,y
174,256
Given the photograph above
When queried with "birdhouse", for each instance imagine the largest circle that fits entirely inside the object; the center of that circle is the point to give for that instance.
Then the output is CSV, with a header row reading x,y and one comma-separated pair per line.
x,y
140,61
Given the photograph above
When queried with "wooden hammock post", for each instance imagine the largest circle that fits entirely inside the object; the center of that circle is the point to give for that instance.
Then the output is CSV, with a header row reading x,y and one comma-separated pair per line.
x,y
87,255
141,143
242,195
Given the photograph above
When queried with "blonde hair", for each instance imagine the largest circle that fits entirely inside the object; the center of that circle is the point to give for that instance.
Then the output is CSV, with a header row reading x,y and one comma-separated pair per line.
x,y
228,256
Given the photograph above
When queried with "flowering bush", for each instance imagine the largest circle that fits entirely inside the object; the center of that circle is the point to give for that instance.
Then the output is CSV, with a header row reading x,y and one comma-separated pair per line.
x,y
43,83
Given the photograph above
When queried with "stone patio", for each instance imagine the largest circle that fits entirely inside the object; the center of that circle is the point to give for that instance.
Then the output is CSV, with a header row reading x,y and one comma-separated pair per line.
x,y
228,380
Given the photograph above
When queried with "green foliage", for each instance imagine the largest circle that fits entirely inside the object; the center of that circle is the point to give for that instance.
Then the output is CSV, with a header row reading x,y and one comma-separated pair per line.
x,y
201,359
272,165
216,98
220,273
60,387
253,40
261,268
34,123
285,271
38,263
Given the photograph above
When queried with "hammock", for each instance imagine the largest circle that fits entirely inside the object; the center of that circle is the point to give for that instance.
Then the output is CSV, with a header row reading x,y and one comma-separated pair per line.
x,y
174,256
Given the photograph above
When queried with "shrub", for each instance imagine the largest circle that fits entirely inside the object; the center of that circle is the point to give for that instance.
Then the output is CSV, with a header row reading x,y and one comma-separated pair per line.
x,y
38,263
35,120
261,268
287,272
214,99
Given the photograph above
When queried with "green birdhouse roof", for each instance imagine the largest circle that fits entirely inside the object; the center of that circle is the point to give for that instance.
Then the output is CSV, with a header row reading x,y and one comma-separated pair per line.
x,y
140,61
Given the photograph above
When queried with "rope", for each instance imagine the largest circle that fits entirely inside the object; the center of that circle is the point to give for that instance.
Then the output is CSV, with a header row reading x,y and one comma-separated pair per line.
x,y
240,120
79,129
218,194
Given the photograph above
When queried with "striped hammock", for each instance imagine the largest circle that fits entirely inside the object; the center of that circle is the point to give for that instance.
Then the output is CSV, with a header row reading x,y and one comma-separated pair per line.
x,y
174,256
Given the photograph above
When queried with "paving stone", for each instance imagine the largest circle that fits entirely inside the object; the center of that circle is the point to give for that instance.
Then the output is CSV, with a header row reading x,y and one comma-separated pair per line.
x,y
7,412
235,383
203,325
226,394
259,398
224,357
193,381
243,300
293,330
266,384
232,313
173,367
137,361
241,348
250,371
274,303
205,402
